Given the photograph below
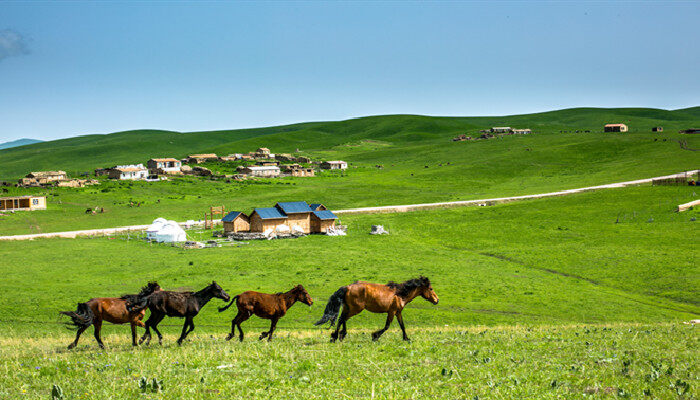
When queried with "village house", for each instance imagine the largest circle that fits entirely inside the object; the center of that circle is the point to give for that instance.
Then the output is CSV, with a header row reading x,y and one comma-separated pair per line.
x,y
297,170
298,215
102,171
302,159
43,178
334,165
270,171
164,166
200,158
284,157
235,222
263,219
501,129
615,128
267,163
22,203
75,183
128,172
321,221
263,150
522,131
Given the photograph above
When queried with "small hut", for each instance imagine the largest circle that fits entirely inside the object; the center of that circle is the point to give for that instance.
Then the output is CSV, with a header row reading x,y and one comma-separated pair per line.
x,y
236,221
322,220
22,203
615,128
338,164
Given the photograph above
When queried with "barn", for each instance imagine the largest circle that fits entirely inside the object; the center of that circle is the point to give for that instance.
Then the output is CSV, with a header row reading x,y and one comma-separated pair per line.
x,y
236,221
322,220
615,128
298,214
262,219
23,203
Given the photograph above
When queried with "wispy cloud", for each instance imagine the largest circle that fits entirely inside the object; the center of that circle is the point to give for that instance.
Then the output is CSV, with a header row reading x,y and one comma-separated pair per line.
x,y
12,43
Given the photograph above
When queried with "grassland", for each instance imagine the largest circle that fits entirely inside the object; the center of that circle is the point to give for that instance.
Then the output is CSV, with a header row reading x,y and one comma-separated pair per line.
x,y
542,299
570,297
420,164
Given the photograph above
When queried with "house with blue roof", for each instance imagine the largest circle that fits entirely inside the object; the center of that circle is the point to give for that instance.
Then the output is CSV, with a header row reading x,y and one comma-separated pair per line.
x,y
317,207
322,220
298,215
236,221
262,219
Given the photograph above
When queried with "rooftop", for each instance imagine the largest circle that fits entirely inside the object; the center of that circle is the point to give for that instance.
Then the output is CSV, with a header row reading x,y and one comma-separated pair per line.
x,y
325,214
294,207
230,217
164,159
269,213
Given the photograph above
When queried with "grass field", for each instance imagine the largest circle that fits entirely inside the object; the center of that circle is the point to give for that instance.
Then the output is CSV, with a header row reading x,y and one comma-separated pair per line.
x,y
569,297
540,299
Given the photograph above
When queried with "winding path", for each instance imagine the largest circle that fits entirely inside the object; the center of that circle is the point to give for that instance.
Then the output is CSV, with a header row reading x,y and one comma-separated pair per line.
x,y
364,210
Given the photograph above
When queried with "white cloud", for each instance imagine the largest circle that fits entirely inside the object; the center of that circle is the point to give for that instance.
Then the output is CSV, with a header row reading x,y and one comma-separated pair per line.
x,y
12,43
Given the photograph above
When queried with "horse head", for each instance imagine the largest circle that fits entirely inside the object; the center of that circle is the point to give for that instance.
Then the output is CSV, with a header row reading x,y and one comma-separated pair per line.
x,y
426,290
302,295
218,292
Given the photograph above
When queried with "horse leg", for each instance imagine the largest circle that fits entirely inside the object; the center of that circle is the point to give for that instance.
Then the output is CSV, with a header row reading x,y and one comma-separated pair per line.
x,y
147,334
341,321
399,317
183,335
77,336
98,328
389,317
273,324
343,331
133,334
154,325
241,317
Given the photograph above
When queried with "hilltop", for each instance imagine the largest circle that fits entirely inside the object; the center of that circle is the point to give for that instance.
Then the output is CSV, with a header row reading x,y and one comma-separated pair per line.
x,y
84,153
18,142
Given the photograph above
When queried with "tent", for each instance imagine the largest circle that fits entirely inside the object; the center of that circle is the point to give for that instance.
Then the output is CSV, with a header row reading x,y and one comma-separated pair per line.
x,y
170,232
155,227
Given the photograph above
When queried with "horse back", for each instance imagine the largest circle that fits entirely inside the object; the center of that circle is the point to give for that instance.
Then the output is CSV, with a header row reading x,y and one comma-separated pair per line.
x,y
264,305
371,296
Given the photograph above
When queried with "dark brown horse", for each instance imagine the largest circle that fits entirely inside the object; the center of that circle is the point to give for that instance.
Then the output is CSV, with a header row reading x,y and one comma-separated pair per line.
x,y
178,304
390,298
117,310
267,306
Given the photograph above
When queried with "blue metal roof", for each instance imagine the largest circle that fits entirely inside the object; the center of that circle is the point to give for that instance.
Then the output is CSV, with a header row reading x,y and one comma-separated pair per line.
x,y
294,207
315,205
269,213
325,214
231,216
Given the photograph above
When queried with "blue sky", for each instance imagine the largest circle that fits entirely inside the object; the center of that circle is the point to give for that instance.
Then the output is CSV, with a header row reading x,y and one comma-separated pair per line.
x,y
73,68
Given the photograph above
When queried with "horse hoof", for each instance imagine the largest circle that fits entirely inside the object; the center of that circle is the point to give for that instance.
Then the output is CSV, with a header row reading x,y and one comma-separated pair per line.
x,y
229,337
71,346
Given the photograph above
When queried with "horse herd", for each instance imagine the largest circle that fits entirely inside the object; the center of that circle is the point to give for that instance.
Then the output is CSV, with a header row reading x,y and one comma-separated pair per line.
x,y
352,299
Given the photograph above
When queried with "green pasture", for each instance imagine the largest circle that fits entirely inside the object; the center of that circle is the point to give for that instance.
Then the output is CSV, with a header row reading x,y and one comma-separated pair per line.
x,y
656,361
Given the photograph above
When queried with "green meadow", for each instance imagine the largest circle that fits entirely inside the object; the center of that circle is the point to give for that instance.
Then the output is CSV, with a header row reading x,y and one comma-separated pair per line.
x,y
582,296
567,297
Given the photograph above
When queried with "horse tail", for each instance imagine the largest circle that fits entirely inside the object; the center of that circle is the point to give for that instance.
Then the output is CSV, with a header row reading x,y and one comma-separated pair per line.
x,y
82,317
224,308
335,303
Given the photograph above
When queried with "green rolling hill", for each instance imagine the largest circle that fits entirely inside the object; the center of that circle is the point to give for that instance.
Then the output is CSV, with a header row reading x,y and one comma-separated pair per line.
x,y
87,152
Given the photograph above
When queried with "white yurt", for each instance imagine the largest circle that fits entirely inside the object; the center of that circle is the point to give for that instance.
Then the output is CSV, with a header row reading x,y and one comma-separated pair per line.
x,y
171,232
154,228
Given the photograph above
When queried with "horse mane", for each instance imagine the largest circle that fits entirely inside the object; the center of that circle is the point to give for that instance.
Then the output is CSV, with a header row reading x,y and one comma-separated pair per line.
x,y
145,291
404,289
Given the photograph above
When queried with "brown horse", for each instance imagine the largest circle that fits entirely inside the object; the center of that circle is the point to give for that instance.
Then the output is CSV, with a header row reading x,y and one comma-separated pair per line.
x,y
267,306
390,298
178,304
110,309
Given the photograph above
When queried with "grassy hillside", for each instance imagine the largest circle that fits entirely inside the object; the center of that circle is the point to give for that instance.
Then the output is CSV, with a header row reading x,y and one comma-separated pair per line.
x,y
91,151
419,164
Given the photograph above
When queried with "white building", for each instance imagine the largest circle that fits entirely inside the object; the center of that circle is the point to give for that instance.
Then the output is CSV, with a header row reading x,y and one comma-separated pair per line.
x,y
129,172
166,165
268,171
334,165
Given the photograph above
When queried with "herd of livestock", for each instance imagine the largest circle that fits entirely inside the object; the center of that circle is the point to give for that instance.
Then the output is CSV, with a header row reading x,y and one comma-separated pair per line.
x,y
351,299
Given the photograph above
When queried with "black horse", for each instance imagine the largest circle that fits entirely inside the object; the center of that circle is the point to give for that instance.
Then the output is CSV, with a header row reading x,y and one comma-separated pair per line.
x,y
178,304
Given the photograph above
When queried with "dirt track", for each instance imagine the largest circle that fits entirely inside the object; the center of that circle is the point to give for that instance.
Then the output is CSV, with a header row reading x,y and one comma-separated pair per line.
x,y
364,210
